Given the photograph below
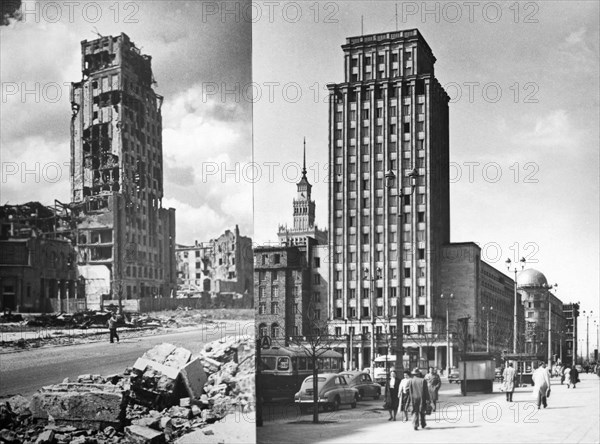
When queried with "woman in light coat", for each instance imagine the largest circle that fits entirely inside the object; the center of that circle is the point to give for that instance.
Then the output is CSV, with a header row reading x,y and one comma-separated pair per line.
x,y
567,373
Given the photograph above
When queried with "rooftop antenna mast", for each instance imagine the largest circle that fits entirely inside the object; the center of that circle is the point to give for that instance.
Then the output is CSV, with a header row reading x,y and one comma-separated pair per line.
x,y
95,31
396,16
362,25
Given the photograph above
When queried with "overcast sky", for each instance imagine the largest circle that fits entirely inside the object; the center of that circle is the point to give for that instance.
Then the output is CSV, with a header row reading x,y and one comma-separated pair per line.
x,y
538,141
194,51
532,137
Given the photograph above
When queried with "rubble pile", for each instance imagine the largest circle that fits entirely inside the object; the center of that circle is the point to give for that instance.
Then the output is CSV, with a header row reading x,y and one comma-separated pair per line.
x,y
166,395
230,362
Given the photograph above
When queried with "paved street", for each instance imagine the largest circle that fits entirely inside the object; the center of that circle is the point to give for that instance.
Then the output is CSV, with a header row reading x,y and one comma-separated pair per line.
x,y
25,372
572,416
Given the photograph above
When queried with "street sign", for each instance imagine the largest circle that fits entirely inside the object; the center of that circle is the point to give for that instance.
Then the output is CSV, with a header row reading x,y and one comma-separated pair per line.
x,y
265,342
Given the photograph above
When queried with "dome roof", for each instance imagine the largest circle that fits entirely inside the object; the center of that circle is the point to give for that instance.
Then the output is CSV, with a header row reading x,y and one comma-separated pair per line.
x,y
531,278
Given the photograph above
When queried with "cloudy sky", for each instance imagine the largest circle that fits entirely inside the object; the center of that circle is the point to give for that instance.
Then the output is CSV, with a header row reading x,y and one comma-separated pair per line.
x,y
524,115
195,50
533,149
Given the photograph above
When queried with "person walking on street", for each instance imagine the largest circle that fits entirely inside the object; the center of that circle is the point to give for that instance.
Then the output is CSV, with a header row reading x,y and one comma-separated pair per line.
x,y
509,381
567,374
541,385
112,328
404,395
392,395
433,384
419,397
574,376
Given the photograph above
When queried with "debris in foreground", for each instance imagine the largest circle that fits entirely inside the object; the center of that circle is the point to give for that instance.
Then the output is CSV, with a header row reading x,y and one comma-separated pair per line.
x,y
166,395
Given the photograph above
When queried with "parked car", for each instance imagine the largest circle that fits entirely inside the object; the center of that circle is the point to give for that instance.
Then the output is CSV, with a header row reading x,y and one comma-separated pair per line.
x,y
334,391
453,376
362,382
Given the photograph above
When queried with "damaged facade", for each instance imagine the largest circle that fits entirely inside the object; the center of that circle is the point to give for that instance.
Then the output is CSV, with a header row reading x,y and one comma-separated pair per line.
x,y
37,263
122,231
219,266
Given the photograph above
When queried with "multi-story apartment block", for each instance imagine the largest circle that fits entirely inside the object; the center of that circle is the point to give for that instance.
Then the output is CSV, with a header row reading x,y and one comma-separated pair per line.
x,y
221,265
569,334
540,306
117,172
389,114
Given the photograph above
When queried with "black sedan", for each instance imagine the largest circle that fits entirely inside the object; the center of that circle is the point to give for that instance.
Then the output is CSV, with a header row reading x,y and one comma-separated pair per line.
x,y
362,382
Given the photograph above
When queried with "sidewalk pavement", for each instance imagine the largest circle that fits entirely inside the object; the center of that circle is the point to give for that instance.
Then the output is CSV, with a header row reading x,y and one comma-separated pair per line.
x,y
572,416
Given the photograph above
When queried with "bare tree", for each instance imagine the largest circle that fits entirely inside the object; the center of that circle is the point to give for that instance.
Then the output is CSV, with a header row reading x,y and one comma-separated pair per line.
x,y
315,342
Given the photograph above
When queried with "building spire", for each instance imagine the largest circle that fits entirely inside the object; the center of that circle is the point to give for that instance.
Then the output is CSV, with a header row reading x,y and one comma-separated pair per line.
x,y
304,160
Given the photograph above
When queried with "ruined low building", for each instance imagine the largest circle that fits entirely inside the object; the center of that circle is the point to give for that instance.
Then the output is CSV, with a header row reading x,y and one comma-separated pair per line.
x,y
37,263
220,266
123,231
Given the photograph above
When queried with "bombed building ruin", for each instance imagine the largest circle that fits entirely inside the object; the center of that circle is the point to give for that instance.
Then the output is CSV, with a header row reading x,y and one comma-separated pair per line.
x,y
124,236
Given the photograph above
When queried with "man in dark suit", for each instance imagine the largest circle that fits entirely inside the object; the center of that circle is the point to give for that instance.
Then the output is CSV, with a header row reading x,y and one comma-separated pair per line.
x,y
419,397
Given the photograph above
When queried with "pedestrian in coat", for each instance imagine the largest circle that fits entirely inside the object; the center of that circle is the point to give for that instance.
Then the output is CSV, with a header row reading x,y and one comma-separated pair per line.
x,y
508,376
112,328
567,374
419,397
433,384
392,389
405,395
541,385
574,376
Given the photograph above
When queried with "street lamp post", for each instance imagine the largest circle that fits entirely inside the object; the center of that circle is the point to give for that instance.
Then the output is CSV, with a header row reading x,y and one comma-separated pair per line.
x,y
390,178
373,305
448,354
597,340
350,358
550,326
487,311
587,315
515,330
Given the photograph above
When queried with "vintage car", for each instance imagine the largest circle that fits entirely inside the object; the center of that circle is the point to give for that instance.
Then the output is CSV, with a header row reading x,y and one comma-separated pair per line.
x,y
454,376
334,391
362,382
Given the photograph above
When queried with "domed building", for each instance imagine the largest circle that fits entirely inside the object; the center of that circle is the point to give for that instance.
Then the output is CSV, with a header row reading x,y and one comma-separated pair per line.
x,y
531,278
538,301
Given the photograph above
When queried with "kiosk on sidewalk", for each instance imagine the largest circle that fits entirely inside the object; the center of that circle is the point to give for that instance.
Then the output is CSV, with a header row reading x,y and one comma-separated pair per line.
x,y
476,372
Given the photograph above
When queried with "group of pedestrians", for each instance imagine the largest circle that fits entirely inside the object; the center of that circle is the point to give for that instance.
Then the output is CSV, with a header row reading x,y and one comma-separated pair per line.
x,y
570,376
540,381
413,394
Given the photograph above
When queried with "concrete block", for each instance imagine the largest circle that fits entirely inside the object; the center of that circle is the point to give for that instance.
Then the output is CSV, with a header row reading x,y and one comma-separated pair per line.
x,y
46,437
144,435
179,412
143,363
159,352
194,378
81,404
152,422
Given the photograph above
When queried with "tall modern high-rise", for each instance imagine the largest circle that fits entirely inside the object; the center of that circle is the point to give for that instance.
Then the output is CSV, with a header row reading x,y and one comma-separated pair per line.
x,y
389,114
124,236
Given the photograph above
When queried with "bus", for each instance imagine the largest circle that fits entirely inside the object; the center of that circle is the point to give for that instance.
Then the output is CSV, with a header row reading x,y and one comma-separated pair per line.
x,y
383,364
283,369
524,364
